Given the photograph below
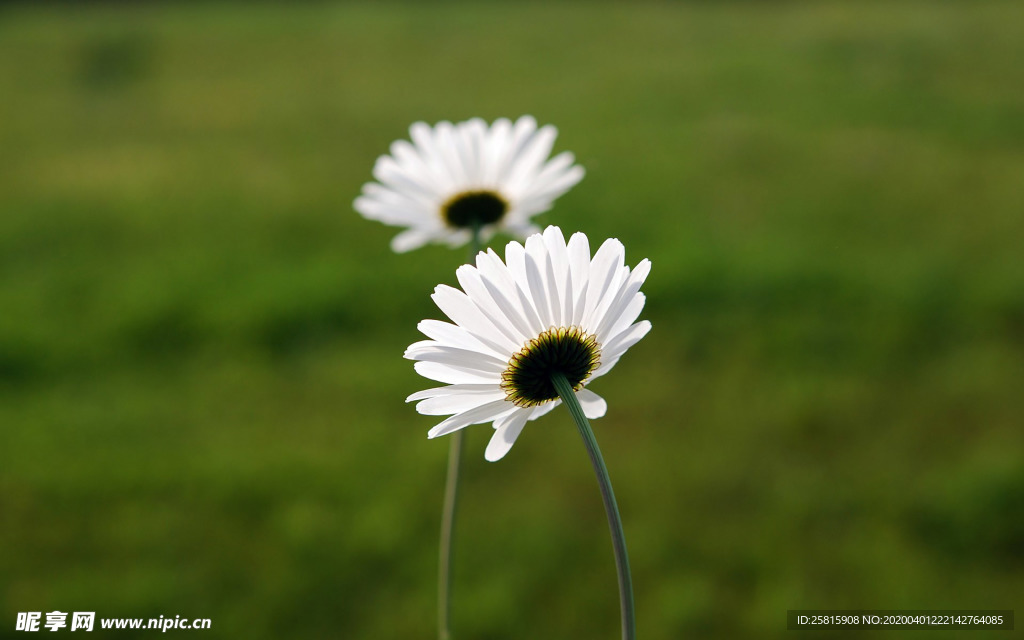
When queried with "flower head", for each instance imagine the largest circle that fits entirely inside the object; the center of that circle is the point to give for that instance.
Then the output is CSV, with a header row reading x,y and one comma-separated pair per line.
x,y
454,177
549,308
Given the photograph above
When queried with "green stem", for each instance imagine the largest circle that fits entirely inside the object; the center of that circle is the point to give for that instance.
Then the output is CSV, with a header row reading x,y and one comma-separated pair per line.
x,y
450,507
451,502
568,396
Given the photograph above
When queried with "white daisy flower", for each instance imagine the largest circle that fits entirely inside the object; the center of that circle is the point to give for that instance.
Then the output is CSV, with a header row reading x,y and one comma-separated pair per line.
x,y
548,308
453,177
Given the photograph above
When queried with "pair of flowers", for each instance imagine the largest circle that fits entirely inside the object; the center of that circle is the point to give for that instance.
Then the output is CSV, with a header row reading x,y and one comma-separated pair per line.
x,y
550,307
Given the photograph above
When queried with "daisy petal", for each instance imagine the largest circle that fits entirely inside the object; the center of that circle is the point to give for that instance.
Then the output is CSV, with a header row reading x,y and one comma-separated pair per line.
x,y
495,148
558,274
599,315
452,335
457,403
451,389
627,316
604,268
450,374
410,239
627,339
544,192
412,162
578,250
536,268
472,283
515,258
403,200
430,351
484,413
457,305
506,431
502,289
522,132
593,405
559,175
527,164
410,183
605,366
623,298
544,409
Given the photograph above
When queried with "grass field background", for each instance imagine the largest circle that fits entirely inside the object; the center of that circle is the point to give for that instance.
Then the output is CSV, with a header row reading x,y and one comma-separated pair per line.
x,y
201,382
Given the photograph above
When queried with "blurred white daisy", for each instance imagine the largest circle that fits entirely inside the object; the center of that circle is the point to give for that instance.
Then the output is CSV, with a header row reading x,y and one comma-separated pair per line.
x,y
454,176
548,308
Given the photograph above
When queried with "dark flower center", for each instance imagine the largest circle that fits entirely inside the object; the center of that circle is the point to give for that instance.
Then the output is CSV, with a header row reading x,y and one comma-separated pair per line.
x,y
474,208
565,350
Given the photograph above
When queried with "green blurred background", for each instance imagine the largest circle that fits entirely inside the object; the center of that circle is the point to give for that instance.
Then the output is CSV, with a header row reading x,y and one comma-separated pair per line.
x,y
201,382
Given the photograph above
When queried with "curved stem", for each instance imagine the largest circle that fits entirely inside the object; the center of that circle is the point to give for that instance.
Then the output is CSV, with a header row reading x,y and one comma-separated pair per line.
x,y
611,508
450,507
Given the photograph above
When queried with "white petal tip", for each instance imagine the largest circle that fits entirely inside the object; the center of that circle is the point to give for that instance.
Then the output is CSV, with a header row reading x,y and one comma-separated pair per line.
x,y
408,240
552,231
594,406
